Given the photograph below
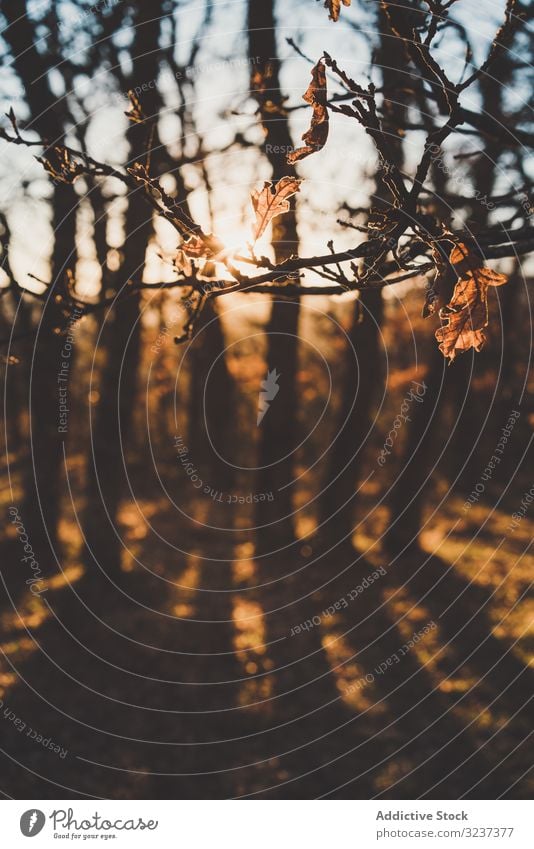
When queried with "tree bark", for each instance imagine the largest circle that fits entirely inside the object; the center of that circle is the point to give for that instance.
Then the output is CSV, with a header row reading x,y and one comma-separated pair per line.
x,y
42,488
362,374
278,429
108,460
431,441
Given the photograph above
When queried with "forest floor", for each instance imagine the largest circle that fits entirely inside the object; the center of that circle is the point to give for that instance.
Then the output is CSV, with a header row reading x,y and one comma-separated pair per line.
x,y
192,670
185,680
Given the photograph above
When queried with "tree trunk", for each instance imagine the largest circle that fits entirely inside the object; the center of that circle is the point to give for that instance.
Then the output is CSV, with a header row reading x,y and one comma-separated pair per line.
x,y
108,462
278,433
430,440
212,403
42,489
362,377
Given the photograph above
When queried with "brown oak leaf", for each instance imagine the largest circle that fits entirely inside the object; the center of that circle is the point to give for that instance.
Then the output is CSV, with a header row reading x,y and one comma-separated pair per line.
x,y
465,317
196,247
316,94
334,7
271,201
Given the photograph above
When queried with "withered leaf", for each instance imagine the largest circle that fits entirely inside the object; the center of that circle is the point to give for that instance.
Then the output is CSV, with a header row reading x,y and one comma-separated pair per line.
x,y
334,7
271,201
316,94
438,293
196,247
182,263
465,317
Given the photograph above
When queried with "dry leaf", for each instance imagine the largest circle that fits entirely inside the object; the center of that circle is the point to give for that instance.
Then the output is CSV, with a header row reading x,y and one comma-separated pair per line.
x,y
442,287
183,264
314,138
466,315
272,201
334,7
196,247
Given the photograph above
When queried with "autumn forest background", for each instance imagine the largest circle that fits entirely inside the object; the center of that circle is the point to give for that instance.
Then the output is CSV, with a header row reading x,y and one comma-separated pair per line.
x,y
267,480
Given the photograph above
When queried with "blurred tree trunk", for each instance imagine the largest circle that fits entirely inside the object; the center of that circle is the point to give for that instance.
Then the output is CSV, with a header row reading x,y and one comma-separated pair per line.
x,y
15,322
409,488
42,488
278,434
108,463
362,376
473,401
362,373
212,402
212,397
432,441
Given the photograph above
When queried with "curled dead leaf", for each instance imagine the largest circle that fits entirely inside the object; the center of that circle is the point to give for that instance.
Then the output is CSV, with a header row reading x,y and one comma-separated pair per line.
x,y
195,247
316,95
271,201
465,317
334,7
